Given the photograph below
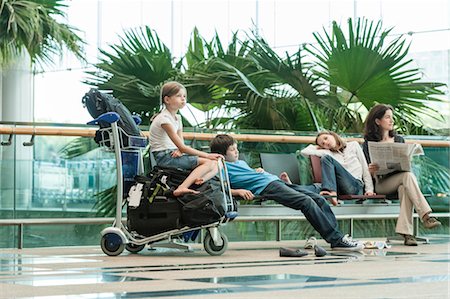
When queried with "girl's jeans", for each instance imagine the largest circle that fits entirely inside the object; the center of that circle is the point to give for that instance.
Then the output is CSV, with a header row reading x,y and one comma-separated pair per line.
x,y
336,178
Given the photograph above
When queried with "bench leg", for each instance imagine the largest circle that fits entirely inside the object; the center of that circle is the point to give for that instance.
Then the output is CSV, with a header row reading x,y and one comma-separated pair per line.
x,y
278,236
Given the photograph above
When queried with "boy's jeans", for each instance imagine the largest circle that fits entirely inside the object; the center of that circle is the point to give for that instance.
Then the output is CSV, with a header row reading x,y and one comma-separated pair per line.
x,y
315,208
336,178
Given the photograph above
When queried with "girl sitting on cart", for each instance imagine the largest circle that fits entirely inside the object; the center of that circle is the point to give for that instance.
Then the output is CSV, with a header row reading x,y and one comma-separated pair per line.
x,y
167,143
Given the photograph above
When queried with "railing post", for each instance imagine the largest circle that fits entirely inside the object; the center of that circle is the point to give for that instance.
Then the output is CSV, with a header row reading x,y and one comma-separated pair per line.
x,y
20,236
351,227
279,230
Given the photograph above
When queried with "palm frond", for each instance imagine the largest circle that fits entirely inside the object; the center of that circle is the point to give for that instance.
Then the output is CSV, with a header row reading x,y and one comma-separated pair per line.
x,y
31,27
363,66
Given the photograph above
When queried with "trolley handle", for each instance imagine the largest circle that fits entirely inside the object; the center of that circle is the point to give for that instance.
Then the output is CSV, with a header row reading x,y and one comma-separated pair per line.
x,y
108,117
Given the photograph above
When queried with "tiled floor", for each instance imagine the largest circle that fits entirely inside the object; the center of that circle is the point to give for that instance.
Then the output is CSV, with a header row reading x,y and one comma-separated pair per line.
x,y
246,270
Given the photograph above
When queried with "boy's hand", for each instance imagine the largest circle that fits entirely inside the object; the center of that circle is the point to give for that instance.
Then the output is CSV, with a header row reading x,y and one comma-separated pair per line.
x,y
259,170
370,193
245,194
214,156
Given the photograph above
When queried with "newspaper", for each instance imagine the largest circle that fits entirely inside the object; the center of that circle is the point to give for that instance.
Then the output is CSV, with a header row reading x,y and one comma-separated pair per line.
x,y
393,157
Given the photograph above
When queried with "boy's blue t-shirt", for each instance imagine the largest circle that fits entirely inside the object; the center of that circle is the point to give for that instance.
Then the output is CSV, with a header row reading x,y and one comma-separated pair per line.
x,y
243,177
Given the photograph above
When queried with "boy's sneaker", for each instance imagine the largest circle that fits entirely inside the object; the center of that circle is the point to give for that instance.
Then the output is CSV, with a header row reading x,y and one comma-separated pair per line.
x,y
347,244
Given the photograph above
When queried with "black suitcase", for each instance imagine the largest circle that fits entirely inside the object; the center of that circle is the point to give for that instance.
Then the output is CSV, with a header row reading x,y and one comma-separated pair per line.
x,y
151,218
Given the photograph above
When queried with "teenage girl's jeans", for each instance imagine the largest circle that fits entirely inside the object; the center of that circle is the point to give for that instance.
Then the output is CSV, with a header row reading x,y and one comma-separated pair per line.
x,y
336,178
315,208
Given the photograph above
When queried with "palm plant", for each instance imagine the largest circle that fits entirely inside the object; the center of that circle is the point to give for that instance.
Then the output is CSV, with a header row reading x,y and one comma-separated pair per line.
x,y
214,72
135,69
249,78
289,87
264,90
363,69
31,27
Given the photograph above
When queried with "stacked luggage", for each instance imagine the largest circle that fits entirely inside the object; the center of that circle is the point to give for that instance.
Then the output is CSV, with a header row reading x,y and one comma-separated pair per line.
x,y
153,216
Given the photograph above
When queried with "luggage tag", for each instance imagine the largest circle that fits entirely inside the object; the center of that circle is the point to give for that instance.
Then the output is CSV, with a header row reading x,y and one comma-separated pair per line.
x,y
164,181
134,195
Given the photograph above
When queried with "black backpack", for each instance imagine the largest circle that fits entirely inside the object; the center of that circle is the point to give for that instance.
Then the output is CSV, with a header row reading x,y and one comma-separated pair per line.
x,y
208,206
98,103
159,180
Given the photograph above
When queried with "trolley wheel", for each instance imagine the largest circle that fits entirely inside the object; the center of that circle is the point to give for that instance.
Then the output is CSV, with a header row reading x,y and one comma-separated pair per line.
x,y
112,244
133,248
212,248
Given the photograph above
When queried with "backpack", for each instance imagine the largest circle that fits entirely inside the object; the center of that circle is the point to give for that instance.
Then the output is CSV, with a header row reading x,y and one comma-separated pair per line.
x,y
98,103
155,184
206,207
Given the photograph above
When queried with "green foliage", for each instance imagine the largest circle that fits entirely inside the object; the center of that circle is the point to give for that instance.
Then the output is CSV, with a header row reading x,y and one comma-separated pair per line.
x,y
105,204
77,147
135,69
249,85
363,69
433,178
31,26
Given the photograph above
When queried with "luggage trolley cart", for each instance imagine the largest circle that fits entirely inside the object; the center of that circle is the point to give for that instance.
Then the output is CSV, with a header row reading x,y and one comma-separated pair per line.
x,y
117,237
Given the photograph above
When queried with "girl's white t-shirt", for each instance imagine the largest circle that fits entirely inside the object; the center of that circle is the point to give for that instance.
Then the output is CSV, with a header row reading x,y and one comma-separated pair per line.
x,y
159,140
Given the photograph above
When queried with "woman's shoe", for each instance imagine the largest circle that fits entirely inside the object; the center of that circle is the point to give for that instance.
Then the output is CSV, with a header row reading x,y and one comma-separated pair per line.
x,y
410,240
431,222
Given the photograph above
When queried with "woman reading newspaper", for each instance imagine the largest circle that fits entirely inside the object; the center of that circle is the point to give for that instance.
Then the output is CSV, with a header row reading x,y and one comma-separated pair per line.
x,y
379,127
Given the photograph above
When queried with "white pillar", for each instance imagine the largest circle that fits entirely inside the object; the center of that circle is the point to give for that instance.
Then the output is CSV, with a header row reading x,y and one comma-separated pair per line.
x,y
16,105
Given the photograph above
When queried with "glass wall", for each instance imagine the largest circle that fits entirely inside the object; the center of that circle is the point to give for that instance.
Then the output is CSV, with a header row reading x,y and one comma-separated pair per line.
x,y
36,182
39,181
285,24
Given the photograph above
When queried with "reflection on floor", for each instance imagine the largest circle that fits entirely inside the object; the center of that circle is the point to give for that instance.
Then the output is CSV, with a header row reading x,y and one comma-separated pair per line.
x,y
246,270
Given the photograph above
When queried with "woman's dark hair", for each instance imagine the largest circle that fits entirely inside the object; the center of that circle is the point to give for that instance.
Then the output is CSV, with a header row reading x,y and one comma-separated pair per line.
x,y
371,129
221,143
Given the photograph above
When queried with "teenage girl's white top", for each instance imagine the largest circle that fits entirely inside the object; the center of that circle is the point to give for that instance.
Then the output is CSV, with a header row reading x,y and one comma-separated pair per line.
x,y
159,140
352,159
